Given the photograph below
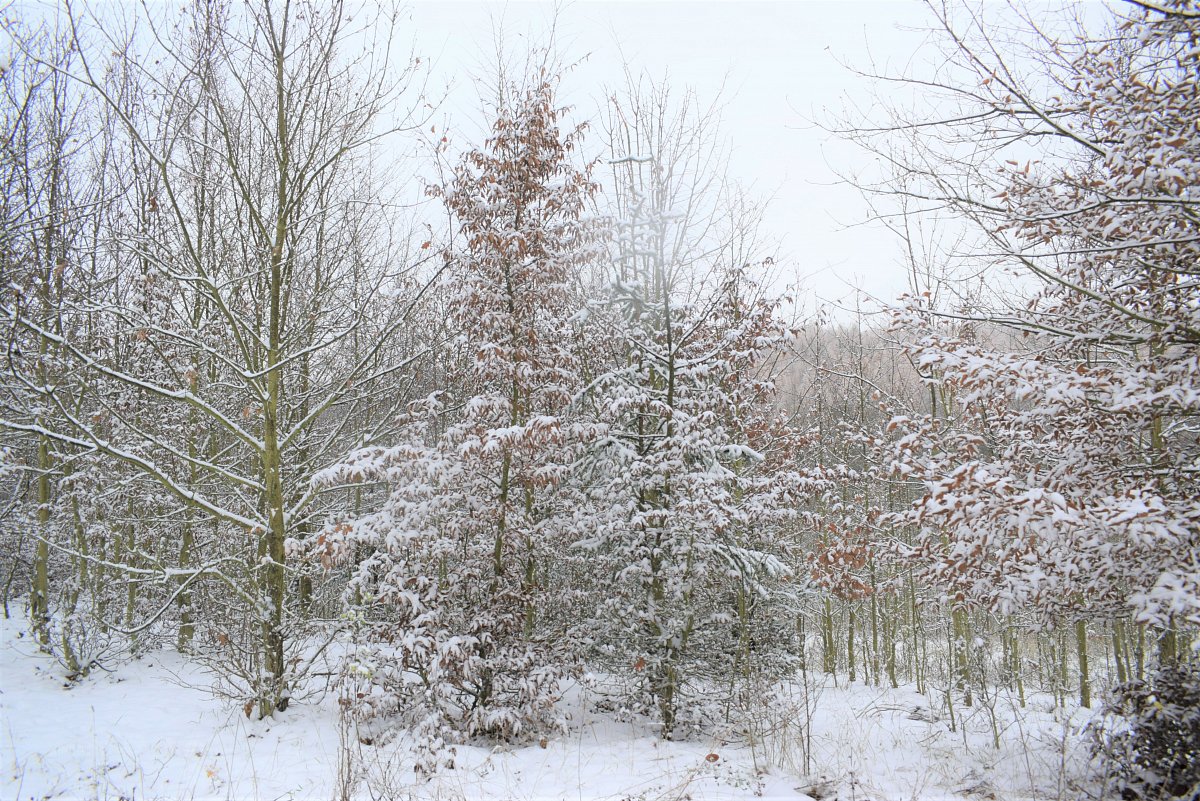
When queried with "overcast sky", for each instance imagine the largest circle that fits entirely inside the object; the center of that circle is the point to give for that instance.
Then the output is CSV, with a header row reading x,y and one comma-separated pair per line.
x,y
780,64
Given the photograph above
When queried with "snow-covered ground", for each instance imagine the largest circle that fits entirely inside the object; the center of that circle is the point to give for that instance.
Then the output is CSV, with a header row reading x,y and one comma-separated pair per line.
x,y
151,730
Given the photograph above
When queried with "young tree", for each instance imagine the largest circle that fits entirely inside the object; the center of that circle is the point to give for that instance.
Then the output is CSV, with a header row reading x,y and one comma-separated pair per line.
x,y
1063,477
461,565
692,487
693,480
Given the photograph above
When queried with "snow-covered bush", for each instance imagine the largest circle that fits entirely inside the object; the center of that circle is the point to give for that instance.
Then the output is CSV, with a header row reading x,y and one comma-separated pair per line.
x,y
1150,747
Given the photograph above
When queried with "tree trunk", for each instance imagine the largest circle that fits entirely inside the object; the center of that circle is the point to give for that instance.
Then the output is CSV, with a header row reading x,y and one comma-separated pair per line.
x,y
962,645
1119,655
1081,649
39,596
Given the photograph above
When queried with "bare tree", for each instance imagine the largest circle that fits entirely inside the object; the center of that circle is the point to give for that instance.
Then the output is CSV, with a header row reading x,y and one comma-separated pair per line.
x,y
252,295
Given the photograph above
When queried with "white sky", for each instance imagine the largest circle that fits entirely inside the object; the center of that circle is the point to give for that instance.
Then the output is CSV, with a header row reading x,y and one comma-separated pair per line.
x,y
779,64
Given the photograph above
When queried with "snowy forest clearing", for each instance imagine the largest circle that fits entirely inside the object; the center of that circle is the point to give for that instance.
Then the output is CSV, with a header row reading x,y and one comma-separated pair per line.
x,y
393,484
152,729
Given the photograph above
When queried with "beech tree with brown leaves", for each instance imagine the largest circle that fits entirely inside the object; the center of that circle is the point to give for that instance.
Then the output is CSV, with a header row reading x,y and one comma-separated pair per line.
x,y
1063,478
454,590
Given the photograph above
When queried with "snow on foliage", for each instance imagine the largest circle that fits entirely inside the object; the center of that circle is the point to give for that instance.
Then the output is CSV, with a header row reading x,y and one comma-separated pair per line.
x,y
1063,477
455,587
692,484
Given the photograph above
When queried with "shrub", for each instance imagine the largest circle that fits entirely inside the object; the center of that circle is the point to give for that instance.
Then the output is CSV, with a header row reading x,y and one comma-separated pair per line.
x,y
1150,748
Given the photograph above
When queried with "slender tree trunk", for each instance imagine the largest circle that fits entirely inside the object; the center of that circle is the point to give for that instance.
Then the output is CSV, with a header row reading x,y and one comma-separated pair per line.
x,y
1081,648
874,636
530,578
1015,664
1168,645
187,625
962,645
1062,667
71,603
830,648
890,625
1119,655
1139,652
187,628
129,557
850,641
273,696
39,596
918,662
